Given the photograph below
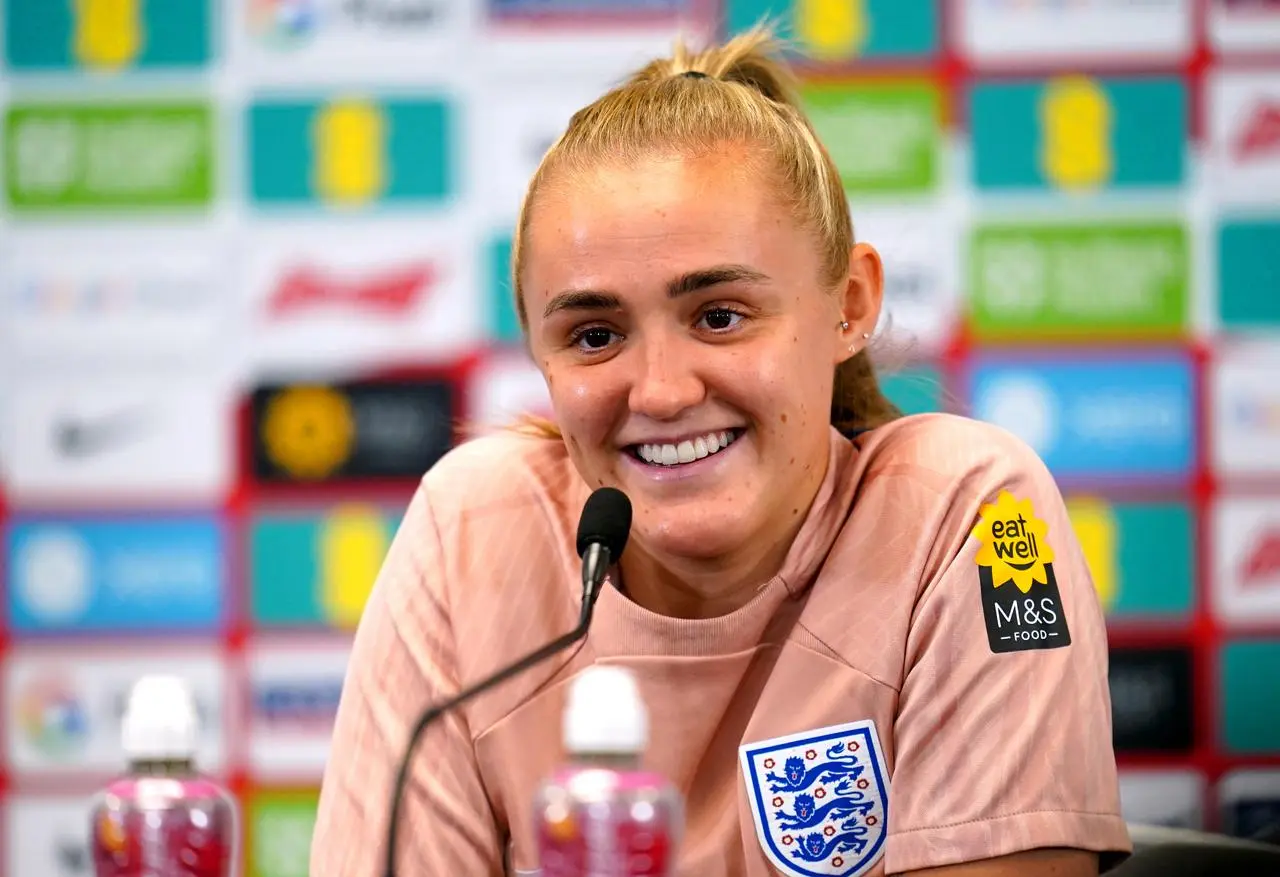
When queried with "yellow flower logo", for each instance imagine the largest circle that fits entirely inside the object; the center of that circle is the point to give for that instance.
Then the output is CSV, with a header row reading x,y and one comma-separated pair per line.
x,y
308,431
1014,542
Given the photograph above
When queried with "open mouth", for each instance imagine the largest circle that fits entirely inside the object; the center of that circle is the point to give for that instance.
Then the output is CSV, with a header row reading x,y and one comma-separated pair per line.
x,y
688,451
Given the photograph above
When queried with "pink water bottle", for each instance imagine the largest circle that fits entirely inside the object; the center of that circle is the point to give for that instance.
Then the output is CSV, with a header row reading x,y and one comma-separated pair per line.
x,y
163,818
601,815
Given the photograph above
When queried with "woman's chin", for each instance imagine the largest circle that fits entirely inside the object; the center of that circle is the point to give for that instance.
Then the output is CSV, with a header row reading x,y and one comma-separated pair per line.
x,y
688,540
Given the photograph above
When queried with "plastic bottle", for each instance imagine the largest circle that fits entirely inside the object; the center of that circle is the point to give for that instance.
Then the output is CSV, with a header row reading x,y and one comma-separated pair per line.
x,y
163,818
601,815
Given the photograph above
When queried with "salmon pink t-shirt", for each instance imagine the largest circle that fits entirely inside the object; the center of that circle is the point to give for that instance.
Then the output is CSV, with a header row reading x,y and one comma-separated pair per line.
x,y
923,683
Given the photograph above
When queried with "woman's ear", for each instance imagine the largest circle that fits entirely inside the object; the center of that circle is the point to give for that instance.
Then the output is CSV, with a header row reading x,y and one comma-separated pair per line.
x,y
862,299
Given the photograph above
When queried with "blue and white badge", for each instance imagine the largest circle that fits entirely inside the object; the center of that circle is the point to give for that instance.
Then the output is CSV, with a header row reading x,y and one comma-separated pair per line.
x,y
820,799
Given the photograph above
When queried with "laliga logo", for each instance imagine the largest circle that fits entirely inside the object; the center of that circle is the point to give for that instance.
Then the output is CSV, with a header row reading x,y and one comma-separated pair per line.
x,y
1013,543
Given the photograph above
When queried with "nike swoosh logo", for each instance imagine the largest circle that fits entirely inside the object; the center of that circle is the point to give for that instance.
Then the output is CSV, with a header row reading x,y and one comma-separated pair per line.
x,y
85,437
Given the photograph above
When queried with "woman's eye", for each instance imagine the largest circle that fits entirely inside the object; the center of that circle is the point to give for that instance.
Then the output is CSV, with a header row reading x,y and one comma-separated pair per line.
x,y
595,339
719,319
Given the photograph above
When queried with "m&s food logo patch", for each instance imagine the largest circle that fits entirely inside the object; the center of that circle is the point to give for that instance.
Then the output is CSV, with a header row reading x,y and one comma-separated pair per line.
x,y
1020,599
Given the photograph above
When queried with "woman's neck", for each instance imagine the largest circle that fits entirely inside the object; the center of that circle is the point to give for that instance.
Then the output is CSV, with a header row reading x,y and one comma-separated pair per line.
x,y
682,587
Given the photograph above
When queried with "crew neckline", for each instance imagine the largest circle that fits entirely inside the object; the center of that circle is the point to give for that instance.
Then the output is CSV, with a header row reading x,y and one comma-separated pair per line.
x,y
622,627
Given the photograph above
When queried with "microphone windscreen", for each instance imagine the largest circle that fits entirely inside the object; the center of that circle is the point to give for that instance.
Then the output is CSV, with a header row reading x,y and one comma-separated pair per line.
x,y
606,518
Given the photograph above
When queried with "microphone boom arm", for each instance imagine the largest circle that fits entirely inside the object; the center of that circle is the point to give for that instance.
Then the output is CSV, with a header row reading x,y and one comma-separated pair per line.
x,y
595,566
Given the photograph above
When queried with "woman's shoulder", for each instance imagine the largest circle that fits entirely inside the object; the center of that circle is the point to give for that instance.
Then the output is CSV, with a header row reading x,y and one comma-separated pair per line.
x,y
503,470
951,447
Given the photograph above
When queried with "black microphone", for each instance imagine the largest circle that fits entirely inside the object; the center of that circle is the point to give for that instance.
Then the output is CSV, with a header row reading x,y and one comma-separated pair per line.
x,y
602,534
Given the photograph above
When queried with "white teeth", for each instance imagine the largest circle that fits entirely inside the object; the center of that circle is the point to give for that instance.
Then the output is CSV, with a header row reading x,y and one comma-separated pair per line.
x,y
687,451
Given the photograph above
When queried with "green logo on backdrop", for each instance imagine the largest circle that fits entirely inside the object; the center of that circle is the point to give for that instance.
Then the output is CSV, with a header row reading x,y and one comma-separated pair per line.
x,y
85,156
1106,277
884,137
280,825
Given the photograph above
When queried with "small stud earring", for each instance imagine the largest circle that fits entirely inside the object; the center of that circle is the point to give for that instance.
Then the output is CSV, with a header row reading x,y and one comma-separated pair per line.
x,y
866,334
844,325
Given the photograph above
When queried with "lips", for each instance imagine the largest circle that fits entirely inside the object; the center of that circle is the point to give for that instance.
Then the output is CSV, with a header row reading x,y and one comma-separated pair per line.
x,y
687,450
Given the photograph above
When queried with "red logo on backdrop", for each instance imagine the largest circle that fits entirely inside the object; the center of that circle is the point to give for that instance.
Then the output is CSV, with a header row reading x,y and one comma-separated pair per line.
x,y
1261,134
1263,563
387,294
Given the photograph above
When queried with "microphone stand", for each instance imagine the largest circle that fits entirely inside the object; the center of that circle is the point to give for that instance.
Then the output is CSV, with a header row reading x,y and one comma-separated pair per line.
x,y
595,564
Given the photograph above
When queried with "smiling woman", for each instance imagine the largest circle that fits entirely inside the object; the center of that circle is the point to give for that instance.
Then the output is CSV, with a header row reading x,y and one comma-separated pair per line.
x,y
808,573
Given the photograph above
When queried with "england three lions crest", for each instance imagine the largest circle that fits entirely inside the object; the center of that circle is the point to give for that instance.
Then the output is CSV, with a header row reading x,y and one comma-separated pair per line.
x,y
820,799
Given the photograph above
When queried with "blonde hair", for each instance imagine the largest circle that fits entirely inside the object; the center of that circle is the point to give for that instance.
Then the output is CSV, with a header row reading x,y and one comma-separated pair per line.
x,y
745,94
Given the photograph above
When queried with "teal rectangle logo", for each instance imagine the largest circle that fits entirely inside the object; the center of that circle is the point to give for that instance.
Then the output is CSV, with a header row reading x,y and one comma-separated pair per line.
x,y
843,31
44,36
351,152
884,137
86,156
316,568
504,324
1114,278
1249,274
1079,133
1249,687
1141,555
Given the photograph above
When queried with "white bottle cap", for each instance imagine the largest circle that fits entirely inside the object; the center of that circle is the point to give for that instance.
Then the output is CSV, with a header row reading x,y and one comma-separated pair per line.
x,y
160,722
605,714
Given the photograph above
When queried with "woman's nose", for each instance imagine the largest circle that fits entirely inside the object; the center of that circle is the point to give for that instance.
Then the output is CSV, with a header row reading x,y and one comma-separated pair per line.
x,y
666,382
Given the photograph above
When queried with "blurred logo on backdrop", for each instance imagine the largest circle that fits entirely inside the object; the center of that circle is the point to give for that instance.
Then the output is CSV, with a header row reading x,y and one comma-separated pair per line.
x,y
1244,420
842,31
1169,797
316,567
351,151
1141,556
294,693
1092,416
1104,278
1012,31
1243,128
52,717
113,154
290,23
106,35
345,300
68,706
1244,26
130,434
1247,302
388,294
1248,712
280,825
1151,699
883,136
1246,580
48,835
1250,801
116,574
121,297
1078,134
308,434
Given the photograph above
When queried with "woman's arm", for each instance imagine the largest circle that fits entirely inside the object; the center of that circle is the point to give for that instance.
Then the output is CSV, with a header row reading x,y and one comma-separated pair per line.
x,y
1003,728
401,661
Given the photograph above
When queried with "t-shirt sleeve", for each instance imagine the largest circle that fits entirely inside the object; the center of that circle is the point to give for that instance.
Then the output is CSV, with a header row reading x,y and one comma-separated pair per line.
x,y
401,661
1003,731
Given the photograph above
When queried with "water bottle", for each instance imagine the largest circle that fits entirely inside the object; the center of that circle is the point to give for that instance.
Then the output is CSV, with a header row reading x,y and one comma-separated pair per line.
x,y
601,814
162,818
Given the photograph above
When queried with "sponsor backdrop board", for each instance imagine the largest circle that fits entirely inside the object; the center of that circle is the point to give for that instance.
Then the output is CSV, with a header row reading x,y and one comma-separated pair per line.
x,y
254,281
